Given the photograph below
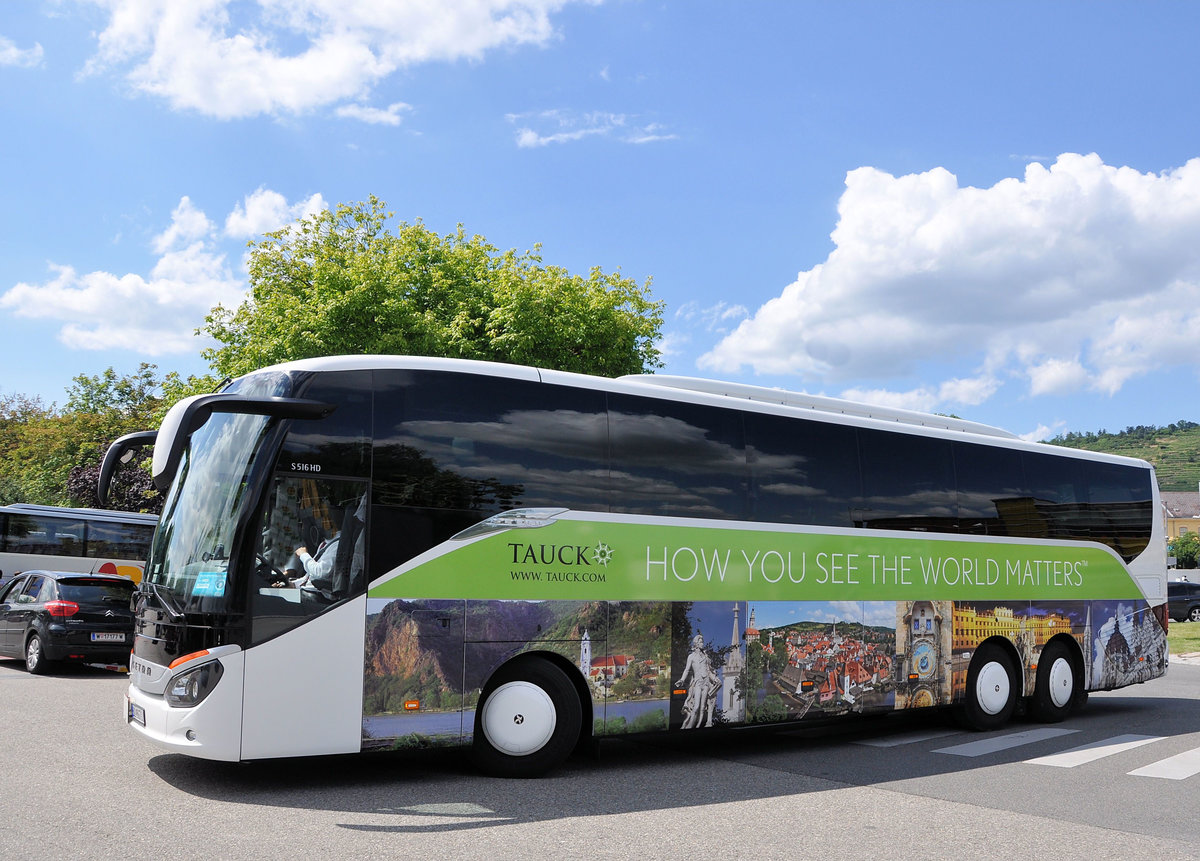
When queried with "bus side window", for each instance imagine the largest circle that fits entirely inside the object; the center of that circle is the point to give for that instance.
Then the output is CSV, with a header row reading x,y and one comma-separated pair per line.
x,y
677,459
992,496
325,520
316,502
118,540
46,536
908,482
1122,501
1059,497
452,449
802,471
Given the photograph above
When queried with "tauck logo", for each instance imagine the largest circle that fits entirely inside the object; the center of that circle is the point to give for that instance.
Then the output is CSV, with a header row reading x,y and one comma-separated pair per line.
x,y
603,554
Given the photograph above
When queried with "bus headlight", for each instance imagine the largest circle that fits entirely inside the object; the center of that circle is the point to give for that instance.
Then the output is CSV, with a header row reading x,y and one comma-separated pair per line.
x,y
190,688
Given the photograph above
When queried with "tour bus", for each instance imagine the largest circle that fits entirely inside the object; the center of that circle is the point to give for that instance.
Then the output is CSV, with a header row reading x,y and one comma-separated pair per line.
x,y
374,552
87,540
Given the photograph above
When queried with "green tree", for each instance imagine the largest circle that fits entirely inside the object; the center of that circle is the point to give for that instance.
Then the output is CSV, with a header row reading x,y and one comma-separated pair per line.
x,y
1186,550
51,455
26,425
341,282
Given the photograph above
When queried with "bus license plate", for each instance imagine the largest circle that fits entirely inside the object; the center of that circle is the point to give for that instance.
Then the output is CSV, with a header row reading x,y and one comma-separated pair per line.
x,y
137,714
108,637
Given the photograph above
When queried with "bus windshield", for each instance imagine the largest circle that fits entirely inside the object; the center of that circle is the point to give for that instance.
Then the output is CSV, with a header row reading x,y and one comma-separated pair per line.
x,y
189,558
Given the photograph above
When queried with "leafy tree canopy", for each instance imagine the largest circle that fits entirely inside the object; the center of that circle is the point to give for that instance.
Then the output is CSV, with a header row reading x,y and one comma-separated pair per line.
x,y
51,455
341,282
1186,550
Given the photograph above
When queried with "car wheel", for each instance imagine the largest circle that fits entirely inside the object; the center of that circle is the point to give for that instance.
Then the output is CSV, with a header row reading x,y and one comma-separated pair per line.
x,y
528,721
35,657
1194,614
1057,684
991,689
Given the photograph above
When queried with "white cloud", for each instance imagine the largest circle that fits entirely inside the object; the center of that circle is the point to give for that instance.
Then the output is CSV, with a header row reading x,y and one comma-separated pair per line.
x,y
1080,275
188,224
156,314
265,211
653,133
237,59
967,392
1056,376
11,55
558,127
672,344
715,318
1042,432
389,116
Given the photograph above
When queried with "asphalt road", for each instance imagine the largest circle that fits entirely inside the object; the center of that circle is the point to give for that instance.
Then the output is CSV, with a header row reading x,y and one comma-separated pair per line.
x,y
76,783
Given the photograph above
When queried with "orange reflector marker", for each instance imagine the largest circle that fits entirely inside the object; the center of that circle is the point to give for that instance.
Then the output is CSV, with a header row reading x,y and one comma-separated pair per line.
x,y
412,705
1033,666
912,677
679,691
175,663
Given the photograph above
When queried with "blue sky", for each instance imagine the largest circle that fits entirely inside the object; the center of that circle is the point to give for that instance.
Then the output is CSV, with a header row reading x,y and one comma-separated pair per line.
x,y
990,210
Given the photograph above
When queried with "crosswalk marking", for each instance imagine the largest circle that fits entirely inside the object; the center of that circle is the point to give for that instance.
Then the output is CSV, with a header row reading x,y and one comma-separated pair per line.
x,y
1096,750
1004,742
1178,767
906,738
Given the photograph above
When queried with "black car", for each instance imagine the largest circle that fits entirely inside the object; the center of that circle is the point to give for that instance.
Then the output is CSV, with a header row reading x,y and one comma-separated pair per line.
x,y
48,616
1184,600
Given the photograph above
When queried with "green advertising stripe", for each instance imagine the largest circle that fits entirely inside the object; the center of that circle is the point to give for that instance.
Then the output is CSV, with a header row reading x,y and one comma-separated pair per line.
x,y
613,561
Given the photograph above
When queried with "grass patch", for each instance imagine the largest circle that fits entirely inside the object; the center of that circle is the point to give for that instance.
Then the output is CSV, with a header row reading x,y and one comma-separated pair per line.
x,y
1184,637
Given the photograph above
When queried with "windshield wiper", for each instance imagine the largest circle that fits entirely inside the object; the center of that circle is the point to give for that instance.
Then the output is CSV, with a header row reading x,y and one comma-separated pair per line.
x,y
165,599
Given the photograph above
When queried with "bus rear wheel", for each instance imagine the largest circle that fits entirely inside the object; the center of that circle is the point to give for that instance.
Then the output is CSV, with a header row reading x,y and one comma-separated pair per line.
x,y
991,689
1057,686
528,720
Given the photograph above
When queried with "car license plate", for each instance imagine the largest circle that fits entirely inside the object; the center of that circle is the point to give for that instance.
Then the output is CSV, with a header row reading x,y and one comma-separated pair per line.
x,y
108,637
137,714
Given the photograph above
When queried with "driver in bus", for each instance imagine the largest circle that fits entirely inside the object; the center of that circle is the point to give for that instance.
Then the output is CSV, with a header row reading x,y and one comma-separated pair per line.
x,y
319,565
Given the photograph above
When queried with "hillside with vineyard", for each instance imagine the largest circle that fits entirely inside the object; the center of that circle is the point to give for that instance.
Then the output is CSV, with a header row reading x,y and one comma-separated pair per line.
x,y
1174,450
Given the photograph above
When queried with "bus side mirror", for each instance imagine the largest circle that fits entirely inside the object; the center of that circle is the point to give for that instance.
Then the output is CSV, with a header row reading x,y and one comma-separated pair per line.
x,y
120,452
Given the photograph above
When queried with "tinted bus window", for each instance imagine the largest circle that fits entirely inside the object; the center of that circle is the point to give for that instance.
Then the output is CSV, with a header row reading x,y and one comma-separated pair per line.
x,y
1122,504
991,489
488,445
46,536
452,449
118,540
677,459
908,482
802,471
338,444
1059,497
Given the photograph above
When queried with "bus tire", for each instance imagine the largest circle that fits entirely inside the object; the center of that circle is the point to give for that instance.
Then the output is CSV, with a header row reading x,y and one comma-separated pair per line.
x,y
35,656
991,689
1057,687
527,721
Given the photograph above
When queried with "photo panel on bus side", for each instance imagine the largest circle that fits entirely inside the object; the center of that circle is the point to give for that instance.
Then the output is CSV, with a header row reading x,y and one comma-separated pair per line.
x,y
427,662
767,662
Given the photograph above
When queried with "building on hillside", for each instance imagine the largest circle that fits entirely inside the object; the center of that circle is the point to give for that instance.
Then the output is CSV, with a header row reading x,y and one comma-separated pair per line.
x,y
1181,511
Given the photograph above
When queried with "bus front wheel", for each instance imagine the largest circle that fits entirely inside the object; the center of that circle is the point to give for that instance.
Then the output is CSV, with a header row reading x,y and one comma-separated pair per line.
x,y
528,720
1057,686
991,689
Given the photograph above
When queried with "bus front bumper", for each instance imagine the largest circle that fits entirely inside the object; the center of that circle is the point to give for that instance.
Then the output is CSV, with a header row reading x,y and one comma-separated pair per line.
x,y
212,729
